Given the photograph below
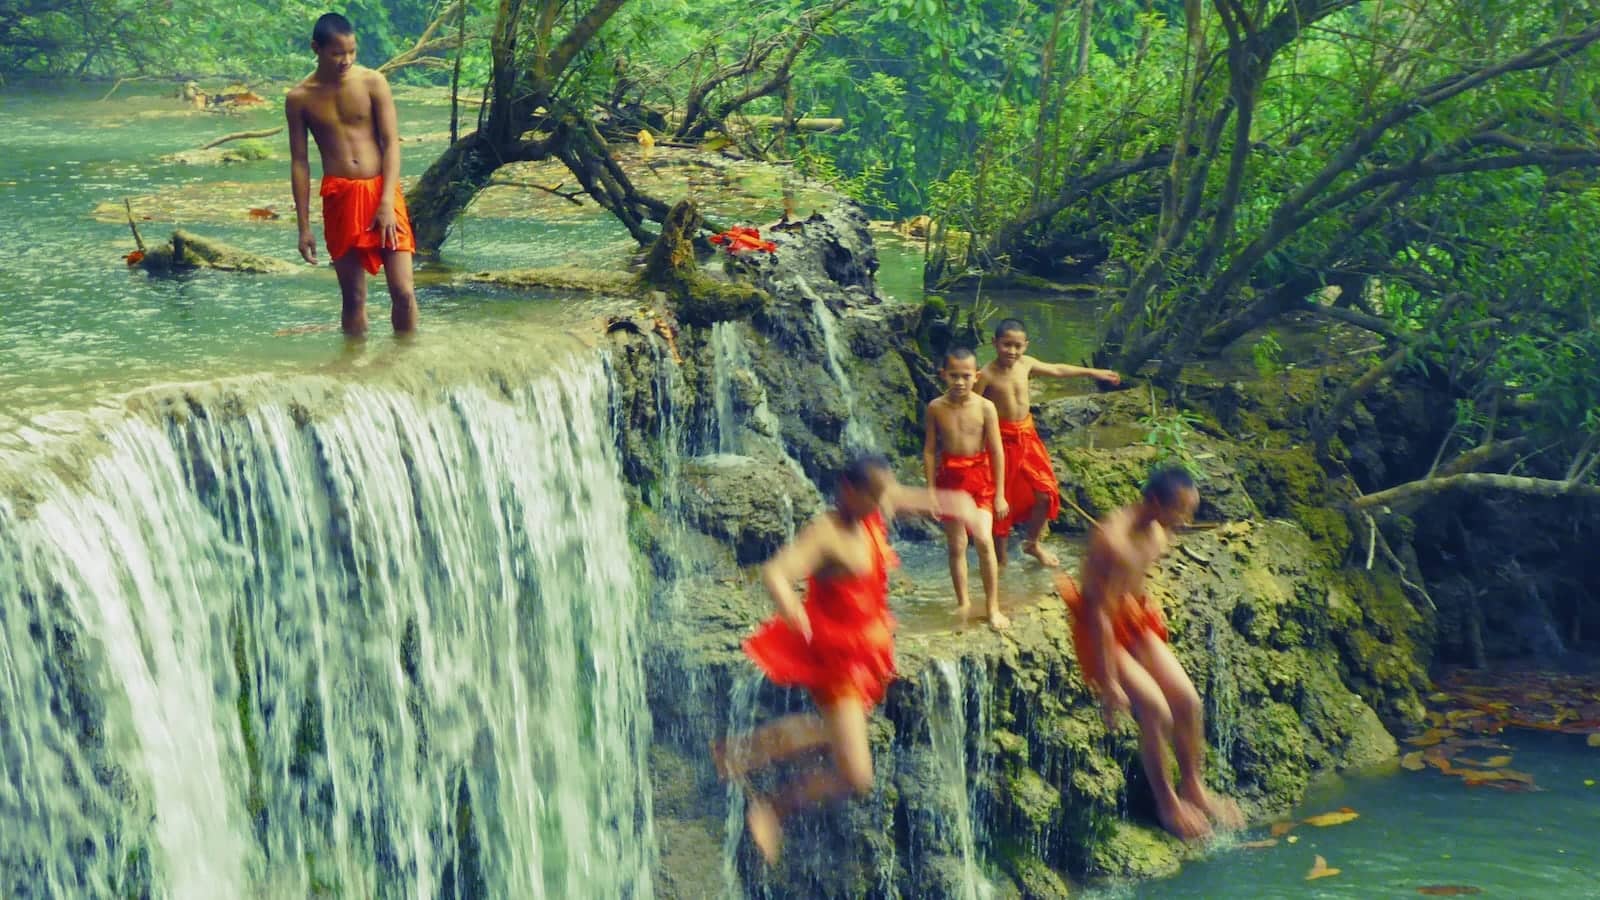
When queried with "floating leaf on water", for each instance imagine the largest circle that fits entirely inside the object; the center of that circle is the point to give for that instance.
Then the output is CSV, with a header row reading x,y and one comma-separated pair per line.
x,y
1259,845
1333,818
1293,838
1495,762
1430,737
1593,740
1412,762
1461,715
1440,697
1436,718
1279,829
1448,890
1588,782
1320,869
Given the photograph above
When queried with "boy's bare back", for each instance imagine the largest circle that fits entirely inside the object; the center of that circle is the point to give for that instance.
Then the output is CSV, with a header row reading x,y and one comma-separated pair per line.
x,y
347,119
961,430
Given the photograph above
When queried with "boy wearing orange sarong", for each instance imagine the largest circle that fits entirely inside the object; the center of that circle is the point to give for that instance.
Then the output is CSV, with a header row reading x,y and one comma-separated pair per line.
x,y
350,112
961,452
1121,639
1030,485
839,644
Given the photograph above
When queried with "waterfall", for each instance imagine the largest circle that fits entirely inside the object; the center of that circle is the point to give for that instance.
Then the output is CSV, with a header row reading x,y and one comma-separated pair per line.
x,y
742,712
392,650
1222,700
856,435
732,363
950,727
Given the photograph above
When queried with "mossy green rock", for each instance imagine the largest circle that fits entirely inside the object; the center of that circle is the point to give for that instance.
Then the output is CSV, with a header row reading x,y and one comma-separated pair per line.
x,y
1137,851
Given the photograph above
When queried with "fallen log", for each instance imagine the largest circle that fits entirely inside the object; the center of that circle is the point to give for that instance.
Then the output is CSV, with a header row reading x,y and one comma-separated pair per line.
x,y
187,251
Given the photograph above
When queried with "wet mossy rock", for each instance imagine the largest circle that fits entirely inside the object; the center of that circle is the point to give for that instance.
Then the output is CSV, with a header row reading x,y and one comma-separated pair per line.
x,y
697,299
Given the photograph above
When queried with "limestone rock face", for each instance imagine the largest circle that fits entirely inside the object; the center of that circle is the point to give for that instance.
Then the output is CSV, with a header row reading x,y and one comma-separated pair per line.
x,y
991,760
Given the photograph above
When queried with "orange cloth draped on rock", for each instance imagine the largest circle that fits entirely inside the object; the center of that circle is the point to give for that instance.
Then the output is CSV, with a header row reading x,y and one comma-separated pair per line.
x,y
972,474
348,206
1028,472
851,653
1130,619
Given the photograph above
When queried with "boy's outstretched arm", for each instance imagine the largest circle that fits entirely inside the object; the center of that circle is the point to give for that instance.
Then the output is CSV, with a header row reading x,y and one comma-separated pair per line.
x,y
1062,370
914,501
795,562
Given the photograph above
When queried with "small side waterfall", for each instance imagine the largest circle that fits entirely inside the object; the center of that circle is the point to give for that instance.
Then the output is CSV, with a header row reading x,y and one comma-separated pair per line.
x,y
393,650
742,711
857,436
733,375
1222,699
951,728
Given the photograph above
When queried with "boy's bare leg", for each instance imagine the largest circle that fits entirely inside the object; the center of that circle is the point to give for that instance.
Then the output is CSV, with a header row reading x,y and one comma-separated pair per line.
x,y
353,291
1032,541
989,570
955,537
846,724
1188,730
1000,548
402,291
779,739
1150,710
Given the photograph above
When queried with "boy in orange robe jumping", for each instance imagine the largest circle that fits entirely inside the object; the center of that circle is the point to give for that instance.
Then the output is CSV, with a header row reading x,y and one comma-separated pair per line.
x,y
1121,638
962,452
838,644
1030,486
349,111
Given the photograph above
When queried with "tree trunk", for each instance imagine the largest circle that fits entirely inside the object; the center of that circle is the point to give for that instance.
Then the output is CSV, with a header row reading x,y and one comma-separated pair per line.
x,y
447,188
1414,493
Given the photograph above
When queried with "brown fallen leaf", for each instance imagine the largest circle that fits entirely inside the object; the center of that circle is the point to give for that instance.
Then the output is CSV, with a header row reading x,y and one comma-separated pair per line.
x,y
1430,737
1319,869
1412,762
1333,818
1259,845
1279,829
1448,890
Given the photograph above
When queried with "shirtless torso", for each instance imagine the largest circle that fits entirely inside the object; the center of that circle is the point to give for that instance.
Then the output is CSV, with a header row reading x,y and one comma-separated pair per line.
x,y
345,118
961,426
1007,388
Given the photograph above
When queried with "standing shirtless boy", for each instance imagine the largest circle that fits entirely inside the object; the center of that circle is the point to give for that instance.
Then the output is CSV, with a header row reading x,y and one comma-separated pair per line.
x,y
1120,635
349,111
962,452
1030,486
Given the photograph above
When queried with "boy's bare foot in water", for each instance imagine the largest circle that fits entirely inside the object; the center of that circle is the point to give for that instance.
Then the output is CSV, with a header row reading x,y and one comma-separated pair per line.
x,y
1183,819
1220,810
998,621
766,829
964,612
1036,550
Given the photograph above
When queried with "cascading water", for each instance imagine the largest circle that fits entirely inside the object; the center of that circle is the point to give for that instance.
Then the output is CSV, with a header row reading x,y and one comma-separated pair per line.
x,y
949,726
857,436
741,721
731,362
389,651
1222,699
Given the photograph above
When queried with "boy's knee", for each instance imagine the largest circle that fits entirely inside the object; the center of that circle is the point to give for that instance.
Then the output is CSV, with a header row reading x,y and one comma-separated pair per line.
x,y
858,774
1153,717
1184,703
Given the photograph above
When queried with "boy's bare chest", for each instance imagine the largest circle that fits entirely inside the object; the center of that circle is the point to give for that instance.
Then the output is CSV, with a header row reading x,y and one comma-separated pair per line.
x,y
965,421
349,108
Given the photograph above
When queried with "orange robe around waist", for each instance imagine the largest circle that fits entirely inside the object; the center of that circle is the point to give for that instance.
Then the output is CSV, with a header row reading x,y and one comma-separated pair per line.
x,y
972,474
1130,617
851,652
1028,473
348,207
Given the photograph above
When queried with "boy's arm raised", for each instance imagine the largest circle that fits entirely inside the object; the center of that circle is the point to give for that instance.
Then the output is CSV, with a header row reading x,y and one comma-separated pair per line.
x,y
300,176
795,562
1062,370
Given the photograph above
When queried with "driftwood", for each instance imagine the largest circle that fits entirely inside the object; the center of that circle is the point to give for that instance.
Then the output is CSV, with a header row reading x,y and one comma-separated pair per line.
x,y
188,251
1414,493
137,240
241,135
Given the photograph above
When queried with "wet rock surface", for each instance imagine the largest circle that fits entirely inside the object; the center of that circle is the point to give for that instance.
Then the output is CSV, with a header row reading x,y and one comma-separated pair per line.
x,y
992,762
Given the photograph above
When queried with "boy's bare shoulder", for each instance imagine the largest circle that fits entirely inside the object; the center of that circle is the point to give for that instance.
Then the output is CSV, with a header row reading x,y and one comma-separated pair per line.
x,y
299,92
937,403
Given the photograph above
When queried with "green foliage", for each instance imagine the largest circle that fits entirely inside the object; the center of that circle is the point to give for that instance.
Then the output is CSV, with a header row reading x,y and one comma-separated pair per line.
x,y
1267,354
1169,433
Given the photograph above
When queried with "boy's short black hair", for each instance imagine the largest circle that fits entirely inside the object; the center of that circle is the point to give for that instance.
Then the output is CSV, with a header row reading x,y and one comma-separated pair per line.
x,y
1010,325
1165,485
857,473
958,352
330,26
